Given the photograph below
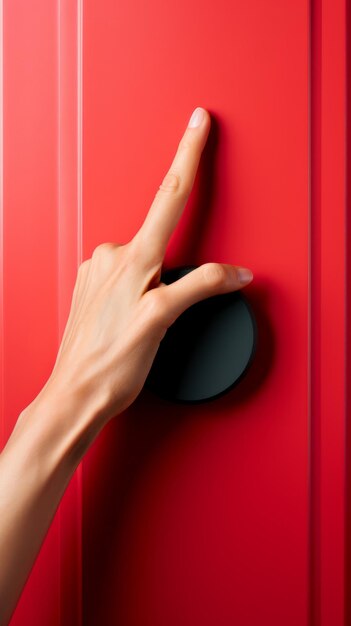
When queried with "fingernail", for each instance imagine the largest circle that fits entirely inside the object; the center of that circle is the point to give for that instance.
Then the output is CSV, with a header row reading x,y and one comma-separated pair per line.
x,y
196,117
245,275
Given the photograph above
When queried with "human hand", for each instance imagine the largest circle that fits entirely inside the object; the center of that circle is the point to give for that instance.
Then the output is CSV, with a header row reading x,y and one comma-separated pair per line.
x,y
119,314
120,311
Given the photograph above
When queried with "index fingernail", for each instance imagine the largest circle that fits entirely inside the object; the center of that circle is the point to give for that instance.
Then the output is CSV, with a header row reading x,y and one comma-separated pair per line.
x,y
196,117
244,274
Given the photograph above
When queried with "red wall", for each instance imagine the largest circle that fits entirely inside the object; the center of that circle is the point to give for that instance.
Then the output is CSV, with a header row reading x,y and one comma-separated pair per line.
x,y
234,511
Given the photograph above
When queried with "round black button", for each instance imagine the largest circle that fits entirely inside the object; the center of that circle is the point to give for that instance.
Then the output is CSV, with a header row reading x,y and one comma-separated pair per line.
x,y
207,349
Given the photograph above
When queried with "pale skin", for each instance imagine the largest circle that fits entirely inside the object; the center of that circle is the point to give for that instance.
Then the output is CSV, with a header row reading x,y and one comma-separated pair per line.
x,y
120,311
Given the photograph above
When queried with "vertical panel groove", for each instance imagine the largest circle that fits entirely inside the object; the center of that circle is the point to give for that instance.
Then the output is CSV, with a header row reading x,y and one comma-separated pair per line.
x,y
59,513
80,258
314,309
327,323
80,129
69,233
348,333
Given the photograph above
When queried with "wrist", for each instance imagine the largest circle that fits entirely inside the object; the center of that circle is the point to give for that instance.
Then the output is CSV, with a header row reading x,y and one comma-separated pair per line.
x,y
59,426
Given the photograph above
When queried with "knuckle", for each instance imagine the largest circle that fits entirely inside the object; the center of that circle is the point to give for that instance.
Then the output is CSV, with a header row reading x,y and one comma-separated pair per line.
x,y
144,249
185,144
135,248
170,184
214,274
155,308
103,249
82,268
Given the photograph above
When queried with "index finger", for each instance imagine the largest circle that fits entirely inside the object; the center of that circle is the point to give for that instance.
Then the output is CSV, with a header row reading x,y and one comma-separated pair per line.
x,y
171,196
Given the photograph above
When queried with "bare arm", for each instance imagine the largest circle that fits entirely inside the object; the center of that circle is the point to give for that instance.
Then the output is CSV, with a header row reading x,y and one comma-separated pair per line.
x,y
45,447
119,313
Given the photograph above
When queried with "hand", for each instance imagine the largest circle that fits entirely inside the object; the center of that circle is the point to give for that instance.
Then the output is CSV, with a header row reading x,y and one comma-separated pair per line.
x,y
120,311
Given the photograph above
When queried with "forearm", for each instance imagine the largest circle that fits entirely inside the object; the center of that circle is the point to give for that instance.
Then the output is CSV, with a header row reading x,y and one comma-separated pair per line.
x,y
50,438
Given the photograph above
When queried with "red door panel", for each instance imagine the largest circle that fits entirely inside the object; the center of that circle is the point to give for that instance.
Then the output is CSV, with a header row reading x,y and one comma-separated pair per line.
x,y
198,515
232,511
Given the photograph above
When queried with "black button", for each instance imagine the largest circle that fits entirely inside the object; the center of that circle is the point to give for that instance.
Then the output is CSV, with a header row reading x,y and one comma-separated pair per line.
x,y
207,349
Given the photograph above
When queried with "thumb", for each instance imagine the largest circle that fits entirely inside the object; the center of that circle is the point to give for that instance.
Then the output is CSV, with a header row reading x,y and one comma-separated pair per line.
x,y
209,279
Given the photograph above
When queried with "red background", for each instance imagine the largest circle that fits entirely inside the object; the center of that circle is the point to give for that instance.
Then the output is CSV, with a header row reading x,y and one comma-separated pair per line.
x,y
231,512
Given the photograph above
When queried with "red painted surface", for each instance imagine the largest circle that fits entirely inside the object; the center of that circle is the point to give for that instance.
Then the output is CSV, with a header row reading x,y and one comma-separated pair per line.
x,y
328,337
199,515
230,512
29,337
